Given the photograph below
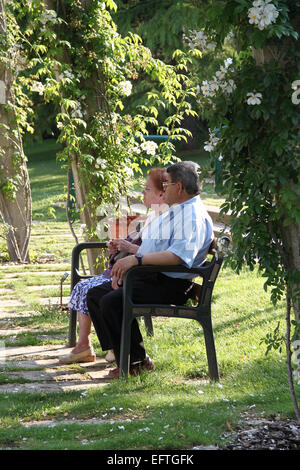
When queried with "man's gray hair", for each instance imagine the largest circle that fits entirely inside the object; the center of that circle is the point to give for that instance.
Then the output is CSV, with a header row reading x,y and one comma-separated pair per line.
x,y
187,174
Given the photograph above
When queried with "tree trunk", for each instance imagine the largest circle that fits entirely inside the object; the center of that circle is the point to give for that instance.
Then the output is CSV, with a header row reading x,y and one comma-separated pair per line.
x,y
15,205
291,243
85,217
289,232
93,105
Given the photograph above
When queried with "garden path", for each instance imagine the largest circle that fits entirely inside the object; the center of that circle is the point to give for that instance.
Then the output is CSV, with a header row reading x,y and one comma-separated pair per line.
x,y
37,368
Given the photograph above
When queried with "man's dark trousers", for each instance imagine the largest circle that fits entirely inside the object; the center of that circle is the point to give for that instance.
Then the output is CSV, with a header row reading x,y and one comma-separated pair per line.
x,y
106,309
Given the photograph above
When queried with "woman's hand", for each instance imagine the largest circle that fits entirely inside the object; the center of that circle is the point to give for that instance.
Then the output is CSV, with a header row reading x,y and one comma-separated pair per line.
x,y
124,245
112,247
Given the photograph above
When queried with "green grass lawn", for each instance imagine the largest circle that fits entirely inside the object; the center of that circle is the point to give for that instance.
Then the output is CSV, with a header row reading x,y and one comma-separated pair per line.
x,y
173,407
49,193
48,180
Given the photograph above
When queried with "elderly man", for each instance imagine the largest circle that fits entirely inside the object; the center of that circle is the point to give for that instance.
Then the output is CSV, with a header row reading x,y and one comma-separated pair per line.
x,y
180,235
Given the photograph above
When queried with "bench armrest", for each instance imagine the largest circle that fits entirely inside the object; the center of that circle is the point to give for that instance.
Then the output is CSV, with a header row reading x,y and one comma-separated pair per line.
x,y
208,272
75,276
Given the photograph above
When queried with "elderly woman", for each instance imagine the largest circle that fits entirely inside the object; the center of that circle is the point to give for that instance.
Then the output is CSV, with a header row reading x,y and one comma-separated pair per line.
x,y
153,194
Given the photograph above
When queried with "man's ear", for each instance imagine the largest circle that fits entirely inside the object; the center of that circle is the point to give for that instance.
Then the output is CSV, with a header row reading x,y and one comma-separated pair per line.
x,y
180,187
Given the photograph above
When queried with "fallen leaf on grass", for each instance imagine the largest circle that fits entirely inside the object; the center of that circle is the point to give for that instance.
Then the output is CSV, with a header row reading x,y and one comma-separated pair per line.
x,y
228,426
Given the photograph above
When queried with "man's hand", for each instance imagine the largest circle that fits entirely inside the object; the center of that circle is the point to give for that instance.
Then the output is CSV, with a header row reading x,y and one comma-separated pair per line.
x,y
120,268
115,283
160,258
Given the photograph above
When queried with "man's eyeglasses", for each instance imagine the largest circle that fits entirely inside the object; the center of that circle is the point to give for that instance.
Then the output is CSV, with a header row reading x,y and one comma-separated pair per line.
x,y
165,184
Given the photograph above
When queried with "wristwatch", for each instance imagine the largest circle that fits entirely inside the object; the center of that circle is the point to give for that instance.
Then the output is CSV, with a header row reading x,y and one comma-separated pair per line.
x,y
139,258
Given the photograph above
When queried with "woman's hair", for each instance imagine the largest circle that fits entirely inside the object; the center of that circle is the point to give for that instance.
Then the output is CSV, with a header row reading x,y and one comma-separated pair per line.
x,y
187,173
158,176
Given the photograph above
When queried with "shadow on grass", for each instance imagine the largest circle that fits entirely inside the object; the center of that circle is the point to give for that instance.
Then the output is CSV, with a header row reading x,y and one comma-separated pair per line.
x,y
150,412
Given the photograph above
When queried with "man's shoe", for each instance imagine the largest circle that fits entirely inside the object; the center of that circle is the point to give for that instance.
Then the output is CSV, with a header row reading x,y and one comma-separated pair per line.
x,y
85,356
134,369
114,372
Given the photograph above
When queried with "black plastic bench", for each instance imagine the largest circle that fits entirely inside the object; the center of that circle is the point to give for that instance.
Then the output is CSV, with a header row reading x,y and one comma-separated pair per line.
x,y
76,276
200,312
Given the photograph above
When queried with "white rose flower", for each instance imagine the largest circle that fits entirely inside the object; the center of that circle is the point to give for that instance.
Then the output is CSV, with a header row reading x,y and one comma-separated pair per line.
x,y
228,62
212,142
262,13
136,149
214,84
254,98
254,15
221,73
129,171
209,147
100,163
125,87
199,39
77,114
205,88
229,86
38,87
48,16
149,147
211,45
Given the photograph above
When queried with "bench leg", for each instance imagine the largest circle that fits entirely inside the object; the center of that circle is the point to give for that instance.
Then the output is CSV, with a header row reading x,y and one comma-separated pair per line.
x,y
149,325
125,347
210,349
72,328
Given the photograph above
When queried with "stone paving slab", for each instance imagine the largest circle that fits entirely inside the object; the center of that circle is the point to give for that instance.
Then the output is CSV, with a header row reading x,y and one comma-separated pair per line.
x,y
16,331
11,303
43,375
53,387
9,315
64,422
52,376
44,351
47,286
43,301
28,267
30,364
57,375
6,291
16,276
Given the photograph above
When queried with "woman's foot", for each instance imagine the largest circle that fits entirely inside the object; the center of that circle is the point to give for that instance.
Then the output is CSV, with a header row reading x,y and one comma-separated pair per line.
x,y
84,356
110,356
81,347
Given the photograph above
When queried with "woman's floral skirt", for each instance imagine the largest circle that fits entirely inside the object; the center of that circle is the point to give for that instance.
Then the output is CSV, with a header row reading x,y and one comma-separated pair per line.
x,y
78,297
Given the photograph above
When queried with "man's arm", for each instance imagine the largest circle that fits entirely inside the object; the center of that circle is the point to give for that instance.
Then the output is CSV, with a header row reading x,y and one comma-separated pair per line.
x,y
158,258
